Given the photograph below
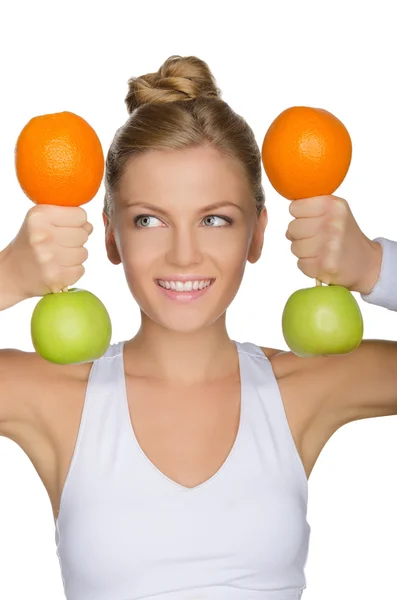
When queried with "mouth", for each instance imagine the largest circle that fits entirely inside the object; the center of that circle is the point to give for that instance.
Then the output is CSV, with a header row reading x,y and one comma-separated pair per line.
x,y
185,292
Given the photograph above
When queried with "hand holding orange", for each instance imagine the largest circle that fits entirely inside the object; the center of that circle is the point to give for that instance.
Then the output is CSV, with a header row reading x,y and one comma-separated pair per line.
x,y
59,161
307,152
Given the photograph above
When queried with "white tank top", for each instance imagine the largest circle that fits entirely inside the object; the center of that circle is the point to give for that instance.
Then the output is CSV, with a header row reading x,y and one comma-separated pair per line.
x,y
125,531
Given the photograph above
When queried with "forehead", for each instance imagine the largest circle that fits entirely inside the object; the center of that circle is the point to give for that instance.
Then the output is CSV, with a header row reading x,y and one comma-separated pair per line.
x,y
198,171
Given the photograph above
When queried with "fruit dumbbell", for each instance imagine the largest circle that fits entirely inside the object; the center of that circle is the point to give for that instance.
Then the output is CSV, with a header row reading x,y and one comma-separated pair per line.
x,y
307,152
59,160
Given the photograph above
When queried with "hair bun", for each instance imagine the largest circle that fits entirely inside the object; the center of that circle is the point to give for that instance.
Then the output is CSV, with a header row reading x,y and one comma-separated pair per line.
x,y
179,78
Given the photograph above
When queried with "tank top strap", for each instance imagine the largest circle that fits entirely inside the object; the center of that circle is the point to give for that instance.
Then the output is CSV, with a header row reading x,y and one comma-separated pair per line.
x,y
113,350
106,376
251,348
267,414
100,418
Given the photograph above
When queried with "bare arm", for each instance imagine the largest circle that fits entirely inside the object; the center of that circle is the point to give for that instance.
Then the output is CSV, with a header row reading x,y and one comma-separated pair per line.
x,y
19,372
14,370
9,294
359,385
33,264
363,384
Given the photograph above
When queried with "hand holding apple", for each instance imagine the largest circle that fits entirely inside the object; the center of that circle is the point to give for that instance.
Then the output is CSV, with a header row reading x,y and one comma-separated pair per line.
x,y
45,257
330,247
48,252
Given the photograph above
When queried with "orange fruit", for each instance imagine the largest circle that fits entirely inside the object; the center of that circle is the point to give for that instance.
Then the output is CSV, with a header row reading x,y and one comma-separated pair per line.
x,y
306,152
59,160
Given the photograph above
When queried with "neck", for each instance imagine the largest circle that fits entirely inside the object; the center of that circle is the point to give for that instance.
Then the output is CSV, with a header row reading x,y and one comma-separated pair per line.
x,y
203,356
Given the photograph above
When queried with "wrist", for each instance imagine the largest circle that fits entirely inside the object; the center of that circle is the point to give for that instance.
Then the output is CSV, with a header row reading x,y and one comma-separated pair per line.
x,y
384,293
9,291
372,261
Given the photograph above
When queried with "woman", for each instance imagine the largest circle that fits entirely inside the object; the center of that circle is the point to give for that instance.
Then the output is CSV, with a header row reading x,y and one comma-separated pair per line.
x,y
180,458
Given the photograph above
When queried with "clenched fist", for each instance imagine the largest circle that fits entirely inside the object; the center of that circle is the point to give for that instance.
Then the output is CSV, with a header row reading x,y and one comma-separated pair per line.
x,y
330,245
48,253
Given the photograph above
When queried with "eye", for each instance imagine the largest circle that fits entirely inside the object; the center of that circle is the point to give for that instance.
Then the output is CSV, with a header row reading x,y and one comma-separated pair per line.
x,y
145,220
139,217
227,219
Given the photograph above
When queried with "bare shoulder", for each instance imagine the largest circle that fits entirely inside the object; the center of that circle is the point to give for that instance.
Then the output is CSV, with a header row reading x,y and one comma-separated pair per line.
x,y
304,385
287,364
30,388
283,362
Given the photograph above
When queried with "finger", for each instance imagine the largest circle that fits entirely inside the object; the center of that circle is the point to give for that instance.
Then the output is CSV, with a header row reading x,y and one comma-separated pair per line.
x,y
67,216
311,268
88,227
73,257
308,248
71,237
300,229
310,207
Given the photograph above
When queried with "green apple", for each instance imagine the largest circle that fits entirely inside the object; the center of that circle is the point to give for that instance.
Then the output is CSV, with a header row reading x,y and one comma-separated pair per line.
x,y
70,327
322,320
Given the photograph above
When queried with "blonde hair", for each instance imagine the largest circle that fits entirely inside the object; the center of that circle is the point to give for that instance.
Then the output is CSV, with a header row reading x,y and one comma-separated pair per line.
x,y
180,107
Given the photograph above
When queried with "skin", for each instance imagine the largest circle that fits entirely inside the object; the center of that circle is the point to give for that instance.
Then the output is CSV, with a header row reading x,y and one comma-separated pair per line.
x,y
186,240
325,238
182,351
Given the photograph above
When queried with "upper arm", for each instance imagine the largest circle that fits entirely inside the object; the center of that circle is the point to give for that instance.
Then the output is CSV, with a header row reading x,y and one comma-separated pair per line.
x,y
361,384
19,374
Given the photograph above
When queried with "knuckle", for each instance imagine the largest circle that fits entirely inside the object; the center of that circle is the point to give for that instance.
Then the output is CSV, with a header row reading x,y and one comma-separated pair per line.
x,y
302,267
75,274
336,227
330,264
308,267
294,249
334,243
340,206
37,235
43,254
83,214
80,272
35,211
52,274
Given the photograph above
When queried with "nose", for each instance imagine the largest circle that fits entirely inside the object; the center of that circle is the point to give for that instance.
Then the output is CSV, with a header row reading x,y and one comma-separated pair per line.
x,y
184,247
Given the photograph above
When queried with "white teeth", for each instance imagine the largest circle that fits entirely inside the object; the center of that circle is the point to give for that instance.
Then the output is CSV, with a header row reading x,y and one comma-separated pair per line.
x,y
186,286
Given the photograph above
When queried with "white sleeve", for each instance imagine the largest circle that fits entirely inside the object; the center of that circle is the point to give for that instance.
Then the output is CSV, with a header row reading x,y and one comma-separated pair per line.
x,y
384,293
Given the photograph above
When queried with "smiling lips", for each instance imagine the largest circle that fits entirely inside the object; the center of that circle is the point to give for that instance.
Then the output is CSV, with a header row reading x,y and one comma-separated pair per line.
x,y
184,290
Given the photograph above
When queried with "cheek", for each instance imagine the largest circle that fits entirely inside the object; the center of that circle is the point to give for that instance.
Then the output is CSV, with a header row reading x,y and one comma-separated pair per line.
x,y
233,252
140,251
231,262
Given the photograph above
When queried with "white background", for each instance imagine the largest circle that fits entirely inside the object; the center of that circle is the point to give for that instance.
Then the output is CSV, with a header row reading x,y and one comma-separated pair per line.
x,y
266,56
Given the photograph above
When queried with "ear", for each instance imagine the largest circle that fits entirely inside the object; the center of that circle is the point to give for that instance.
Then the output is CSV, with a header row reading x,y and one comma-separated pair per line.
x,y
255,250
111,248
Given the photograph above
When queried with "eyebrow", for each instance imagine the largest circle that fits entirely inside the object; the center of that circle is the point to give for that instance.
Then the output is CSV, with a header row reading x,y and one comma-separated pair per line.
x,y
202,210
